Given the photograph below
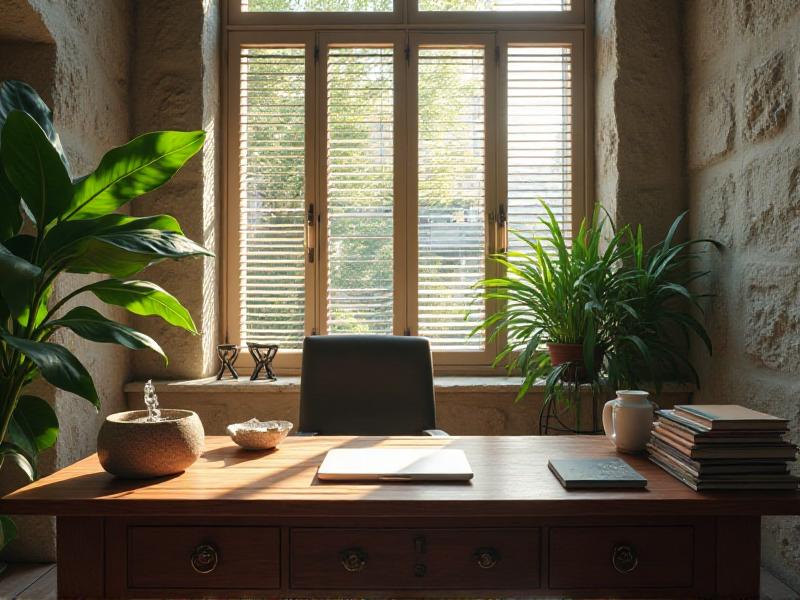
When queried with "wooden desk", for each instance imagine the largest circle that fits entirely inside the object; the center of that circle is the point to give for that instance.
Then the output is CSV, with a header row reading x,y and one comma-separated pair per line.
x,y
269,528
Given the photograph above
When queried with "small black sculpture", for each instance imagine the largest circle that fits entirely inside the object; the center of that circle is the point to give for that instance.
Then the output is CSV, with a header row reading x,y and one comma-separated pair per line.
x,y
262,357
228,353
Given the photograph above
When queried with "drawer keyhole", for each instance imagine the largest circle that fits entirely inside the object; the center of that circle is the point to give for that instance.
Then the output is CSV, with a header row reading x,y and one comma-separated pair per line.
x,y
486,557
205,558
353,559
624,558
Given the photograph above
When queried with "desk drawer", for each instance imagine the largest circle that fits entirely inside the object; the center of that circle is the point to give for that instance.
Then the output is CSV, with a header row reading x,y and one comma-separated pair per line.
x,y
621,557
385,559
204,557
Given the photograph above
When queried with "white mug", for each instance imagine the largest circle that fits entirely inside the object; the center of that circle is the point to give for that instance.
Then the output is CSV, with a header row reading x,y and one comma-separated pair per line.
x,y
628,420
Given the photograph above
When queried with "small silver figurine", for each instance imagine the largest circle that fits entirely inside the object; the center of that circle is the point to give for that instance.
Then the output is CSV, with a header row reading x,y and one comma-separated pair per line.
x,y
151,401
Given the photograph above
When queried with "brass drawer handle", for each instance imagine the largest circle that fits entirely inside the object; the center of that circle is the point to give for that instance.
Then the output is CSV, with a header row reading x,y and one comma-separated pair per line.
x,y
205,558
487,557
624,558
353,559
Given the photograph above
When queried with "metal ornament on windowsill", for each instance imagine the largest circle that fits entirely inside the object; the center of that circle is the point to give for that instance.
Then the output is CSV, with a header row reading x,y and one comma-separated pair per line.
x,y
228,353
263,355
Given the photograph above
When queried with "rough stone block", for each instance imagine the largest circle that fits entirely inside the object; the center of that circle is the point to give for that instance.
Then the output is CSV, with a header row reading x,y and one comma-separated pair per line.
x,y
707,26
771,217
767,99
712,123
762,17
713,210
771,316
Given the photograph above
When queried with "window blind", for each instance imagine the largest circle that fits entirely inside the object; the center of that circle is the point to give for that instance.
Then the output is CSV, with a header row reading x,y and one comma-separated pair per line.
x,y
539,139
495,5
272,196
360,195
316,5
451,194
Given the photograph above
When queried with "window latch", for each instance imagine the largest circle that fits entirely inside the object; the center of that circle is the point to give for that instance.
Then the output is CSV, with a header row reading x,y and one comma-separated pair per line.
x,y
311,233
502,230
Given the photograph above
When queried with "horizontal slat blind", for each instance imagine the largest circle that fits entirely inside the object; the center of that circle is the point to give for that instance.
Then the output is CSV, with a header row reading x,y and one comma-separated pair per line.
x,y
539,139
272,196
316,5
495,5
360,196
451,194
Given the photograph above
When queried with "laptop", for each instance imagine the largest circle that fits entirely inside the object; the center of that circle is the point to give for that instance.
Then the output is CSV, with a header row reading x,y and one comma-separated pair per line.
x,y
395,464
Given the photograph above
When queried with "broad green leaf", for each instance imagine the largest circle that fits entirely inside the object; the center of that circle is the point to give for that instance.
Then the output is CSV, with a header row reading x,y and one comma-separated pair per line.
x,y
23,440
58,366
125,254
62,238
13,453
90,324
41,311
17,95
126,172
16,268
36,418
10,215
17,276
8,531
145,299
34,168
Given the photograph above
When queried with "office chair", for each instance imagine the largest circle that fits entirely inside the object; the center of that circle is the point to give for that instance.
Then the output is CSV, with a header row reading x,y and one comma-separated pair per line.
x,y
367,385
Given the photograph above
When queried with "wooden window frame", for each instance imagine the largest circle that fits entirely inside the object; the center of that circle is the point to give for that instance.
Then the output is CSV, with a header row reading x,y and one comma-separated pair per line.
x,y
232,216
405,27
468,358
361,39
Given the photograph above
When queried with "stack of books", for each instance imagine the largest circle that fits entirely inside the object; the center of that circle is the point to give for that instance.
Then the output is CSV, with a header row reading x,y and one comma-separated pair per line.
x,y
723,447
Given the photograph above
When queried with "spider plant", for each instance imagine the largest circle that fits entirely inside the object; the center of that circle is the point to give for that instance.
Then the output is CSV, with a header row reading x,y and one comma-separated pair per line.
x,y
651,319
549,295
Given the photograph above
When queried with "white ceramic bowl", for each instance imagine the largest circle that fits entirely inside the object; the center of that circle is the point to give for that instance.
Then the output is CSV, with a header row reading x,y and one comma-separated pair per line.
x,y
259,435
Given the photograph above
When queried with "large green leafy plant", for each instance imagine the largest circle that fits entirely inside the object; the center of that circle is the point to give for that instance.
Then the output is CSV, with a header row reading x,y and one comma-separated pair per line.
x,y
52,223
547,295
605,290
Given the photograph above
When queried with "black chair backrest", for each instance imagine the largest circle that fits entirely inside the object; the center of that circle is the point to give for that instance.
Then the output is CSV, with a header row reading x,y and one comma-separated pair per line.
x,y
366,385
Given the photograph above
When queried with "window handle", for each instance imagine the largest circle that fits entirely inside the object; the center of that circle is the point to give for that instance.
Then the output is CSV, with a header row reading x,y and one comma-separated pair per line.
x,y
311,233
502,230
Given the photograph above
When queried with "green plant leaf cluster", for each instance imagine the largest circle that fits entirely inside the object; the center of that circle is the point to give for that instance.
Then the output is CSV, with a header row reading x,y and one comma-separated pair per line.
x,y
631,305
51,223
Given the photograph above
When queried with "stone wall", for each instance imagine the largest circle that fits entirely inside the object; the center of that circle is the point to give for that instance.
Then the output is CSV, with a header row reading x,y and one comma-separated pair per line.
x,y
176,78
76,54
639,142
743,132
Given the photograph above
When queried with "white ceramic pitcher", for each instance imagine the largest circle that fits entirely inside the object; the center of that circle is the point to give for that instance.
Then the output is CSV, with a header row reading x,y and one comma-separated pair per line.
x,y
628,419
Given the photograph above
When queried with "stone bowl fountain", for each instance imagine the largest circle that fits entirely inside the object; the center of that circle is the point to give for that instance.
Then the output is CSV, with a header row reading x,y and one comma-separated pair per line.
x,y
139,444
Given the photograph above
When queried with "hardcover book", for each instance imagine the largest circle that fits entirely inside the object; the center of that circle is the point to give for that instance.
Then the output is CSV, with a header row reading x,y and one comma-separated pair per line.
x,y
668,422
783,451
729,417
735,482
592,473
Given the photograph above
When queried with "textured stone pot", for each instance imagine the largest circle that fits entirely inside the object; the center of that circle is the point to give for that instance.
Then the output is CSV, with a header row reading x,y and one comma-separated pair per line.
x,y
129,446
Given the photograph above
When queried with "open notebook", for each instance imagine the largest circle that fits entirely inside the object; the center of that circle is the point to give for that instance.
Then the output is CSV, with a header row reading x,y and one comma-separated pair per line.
x,y
395,464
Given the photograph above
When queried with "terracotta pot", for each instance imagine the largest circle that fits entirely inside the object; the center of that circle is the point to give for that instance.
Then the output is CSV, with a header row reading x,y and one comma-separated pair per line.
x,y
573,353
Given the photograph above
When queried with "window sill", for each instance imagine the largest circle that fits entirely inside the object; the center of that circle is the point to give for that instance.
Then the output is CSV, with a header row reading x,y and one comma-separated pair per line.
x,y
445,384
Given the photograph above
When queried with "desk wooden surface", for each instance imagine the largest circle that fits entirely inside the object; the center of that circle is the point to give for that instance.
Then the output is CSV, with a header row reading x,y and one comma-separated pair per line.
x,y
511,478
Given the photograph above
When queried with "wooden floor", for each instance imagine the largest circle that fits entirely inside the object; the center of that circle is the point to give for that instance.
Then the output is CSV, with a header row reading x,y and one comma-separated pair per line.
x,y
26,581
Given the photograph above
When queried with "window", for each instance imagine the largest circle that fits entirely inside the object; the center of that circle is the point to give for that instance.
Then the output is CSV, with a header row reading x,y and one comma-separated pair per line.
x,y
371,173
495,5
